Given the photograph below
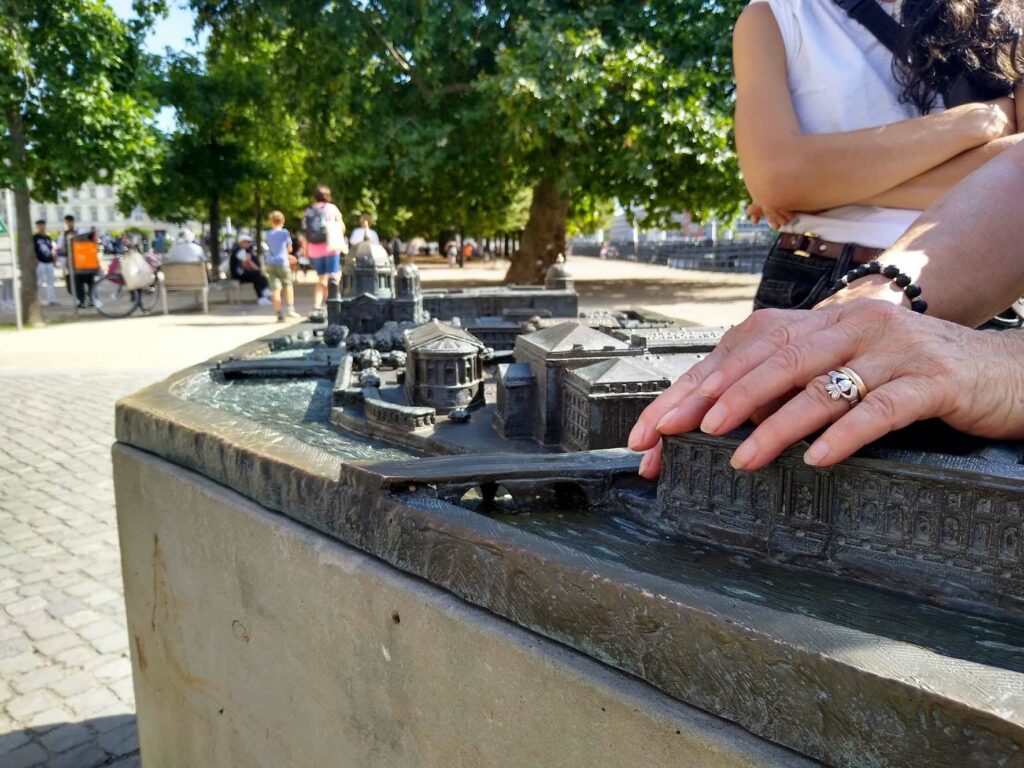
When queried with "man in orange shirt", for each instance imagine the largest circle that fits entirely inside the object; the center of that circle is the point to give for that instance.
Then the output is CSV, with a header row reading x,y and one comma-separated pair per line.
x,y
82,254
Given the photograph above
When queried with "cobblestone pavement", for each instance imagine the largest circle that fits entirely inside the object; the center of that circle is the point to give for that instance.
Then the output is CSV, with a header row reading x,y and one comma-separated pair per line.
x,y
65,674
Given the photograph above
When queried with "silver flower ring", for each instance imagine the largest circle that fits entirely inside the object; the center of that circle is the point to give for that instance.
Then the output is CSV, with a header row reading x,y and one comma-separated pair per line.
x,y
847,385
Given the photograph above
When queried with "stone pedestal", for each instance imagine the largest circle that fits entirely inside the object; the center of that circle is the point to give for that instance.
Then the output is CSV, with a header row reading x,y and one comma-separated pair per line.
x,y
288,607
257,641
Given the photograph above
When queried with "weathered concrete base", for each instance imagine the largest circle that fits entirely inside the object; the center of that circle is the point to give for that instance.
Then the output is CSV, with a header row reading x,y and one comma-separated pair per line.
x,y
259,642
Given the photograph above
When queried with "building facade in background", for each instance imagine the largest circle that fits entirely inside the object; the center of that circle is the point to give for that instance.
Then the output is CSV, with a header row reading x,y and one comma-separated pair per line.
x,y
95,205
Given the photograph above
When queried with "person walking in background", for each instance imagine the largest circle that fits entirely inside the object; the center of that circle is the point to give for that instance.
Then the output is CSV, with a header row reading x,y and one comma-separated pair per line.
x,y
45,251
323,228
278,268
245,267
63,242
364,231
395,247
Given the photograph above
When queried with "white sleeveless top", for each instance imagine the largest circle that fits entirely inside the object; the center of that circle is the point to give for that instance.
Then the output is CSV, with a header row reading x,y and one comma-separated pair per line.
x,y
840,78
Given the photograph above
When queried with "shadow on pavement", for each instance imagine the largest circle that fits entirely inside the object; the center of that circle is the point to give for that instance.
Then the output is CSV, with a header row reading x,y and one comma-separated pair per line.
x,y
101,741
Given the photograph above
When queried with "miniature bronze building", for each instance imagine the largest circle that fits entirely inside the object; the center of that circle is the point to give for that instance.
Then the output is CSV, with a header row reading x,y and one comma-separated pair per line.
x,y
558,277
373,293
549,353
495,332
444,369
556,350
957,534
498,302
601,402
376,300
368,269
672,339
513,416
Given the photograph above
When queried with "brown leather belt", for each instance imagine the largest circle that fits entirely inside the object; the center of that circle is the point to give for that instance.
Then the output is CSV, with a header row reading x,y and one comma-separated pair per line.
x,y
809,245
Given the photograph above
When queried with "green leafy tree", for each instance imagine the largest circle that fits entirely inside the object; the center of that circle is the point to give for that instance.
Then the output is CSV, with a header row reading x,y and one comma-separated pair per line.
x,y
443,113
72,106
235,150
388,104
611,102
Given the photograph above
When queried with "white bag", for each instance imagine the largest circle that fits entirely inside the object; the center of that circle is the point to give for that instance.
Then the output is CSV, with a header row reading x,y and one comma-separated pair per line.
x,y
135,271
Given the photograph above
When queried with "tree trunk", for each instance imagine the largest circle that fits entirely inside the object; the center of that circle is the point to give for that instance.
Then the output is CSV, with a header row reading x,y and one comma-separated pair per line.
x,y
32,313
543,238
215,231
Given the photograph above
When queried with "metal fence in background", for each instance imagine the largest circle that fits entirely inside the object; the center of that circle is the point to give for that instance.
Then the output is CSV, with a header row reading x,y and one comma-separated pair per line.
x,y
741,257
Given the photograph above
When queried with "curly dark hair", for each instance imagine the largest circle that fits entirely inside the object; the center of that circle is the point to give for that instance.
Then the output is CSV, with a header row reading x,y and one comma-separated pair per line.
x,y
942,40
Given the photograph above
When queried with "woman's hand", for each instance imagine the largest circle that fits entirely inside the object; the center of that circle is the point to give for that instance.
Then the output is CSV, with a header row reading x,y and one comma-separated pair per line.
x,y
776,219
773,368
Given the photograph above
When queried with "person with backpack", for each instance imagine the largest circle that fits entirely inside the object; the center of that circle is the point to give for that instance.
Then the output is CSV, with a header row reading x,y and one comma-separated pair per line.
x,y
850,122
323,229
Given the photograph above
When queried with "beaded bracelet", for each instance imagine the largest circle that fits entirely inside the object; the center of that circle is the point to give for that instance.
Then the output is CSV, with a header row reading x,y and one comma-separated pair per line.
x,y
910,289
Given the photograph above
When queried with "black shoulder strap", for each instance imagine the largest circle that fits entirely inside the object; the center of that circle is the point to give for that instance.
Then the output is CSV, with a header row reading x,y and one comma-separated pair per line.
x,y
871,15
886,29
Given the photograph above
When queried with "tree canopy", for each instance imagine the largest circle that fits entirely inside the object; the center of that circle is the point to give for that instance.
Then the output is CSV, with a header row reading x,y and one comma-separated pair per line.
x,y
235,150
441,114
74,105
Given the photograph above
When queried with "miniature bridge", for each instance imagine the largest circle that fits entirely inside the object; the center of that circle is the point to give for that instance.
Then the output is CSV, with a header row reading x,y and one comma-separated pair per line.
x,y
533,480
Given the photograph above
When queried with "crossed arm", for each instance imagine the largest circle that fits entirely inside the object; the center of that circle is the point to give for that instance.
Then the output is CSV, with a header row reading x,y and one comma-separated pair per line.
x,y
907,164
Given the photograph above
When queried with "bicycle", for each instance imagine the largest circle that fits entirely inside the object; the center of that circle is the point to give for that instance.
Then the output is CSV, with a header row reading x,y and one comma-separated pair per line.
x,y
112,299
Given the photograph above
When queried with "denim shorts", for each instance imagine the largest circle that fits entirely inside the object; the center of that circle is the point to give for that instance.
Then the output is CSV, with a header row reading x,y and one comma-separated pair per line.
x,y
327,265
789,281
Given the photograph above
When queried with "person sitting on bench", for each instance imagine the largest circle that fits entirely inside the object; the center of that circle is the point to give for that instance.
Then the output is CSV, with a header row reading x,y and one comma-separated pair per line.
x,y
245,268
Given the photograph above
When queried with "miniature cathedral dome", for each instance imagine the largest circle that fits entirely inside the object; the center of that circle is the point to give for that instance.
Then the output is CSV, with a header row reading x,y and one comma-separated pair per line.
x,y
371,271
558,277
371,255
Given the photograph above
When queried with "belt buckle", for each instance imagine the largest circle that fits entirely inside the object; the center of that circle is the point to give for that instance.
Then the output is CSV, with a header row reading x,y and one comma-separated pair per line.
x,y
799,252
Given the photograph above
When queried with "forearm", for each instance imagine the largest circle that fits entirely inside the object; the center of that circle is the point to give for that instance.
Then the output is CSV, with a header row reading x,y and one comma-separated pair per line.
x,y
922,191
965,250
817,171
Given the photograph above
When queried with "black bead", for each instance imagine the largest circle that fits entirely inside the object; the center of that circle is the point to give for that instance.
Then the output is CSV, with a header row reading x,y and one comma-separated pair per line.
x,y
912,291
890,271
862,270
838,285
919,305
902,280
874,267
851,275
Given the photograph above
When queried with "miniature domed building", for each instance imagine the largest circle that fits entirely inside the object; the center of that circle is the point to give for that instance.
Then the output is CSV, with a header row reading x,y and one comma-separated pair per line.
x,y
408,304
407,281
444,369
558,278
368,269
